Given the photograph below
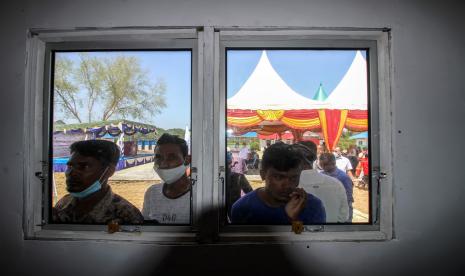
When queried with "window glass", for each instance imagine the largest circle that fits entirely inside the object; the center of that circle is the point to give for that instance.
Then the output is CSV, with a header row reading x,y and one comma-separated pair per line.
x,y
297,136
138,101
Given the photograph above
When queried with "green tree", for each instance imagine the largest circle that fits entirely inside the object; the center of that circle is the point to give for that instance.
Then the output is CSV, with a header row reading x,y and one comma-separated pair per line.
x,y
66,98
344,141
254,144
118,85
128,93
91,74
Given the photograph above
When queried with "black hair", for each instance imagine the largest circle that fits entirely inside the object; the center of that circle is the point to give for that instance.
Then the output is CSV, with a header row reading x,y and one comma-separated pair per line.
x,y
327,156
105,151
308,150
167,138
281,157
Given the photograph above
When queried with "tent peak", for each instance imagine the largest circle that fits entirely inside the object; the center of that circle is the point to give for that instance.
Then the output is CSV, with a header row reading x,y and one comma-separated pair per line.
x,y
266,90
320,94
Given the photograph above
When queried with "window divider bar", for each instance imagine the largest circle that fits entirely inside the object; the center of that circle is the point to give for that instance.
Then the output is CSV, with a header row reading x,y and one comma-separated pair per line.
x,y
207,220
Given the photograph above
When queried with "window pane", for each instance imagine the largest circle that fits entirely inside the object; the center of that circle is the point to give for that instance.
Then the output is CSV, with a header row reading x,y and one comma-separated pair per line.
x,y
130,99
297,119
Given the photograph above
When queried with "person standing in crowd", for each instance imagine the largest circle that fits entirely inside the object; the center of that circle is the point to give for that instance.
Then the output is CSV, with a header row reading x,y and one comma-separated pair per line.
x,y
328,189
352,155
342,162
244,155
170,201
328,163
235,183
280,201
363,179
90,198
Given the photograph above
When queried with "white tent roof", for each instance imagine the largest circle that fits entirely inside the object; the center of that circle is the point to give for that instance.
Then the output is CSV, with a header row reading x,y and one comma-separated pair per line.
x,y
265,90
351,92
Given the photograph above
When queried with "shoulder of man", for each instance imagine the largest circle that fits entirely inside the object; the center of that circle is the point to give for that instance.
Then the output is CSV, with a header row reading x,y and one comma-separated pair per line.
x,y
247,200
313,200
316,205
331,179
126,209
242,208
63,202
154,188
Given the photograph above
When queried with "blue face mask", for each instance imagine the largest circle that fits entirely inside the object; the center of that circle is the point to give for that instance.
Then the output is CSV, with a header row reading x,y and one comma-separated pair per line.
x,y
96,186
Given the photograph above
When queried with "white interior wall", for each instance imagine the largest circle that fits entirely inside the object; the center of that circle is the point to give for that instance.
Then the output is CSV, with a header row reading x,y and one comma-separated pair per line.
x,y
428,97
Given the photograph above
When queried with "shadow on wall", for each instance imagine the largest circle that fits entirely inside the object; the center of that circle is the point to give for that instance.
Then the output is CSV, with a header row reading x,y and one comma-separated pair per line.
x,y
210,258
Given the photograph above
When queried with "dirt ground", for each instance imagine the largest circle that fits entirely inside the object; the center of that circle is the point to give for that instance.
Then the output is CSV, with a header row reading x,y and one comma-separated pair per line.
x,y
134,191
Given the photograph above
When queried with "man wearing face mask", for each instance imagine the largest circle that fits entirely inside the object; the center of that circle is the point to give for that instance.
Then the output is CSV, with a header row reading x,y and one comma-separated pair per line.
x,y
90,198
169,202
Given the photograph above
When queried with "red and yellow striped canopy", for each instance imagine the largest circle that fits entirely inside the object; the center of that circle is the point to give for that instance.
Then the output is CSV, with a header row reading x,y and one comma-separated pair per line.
x,y
328,121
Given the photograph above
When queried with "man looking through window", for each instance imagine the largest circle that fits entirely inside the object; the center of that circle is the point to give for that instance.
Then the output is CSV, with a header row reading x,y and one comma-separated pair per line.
x,y
169,202
90,198
280,201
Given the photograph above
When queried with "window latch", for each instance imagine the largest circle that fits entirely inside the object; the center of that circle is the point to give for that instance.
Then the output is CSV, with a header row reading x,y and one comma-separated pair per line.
x,y
314,228
382,175
40,176
193,175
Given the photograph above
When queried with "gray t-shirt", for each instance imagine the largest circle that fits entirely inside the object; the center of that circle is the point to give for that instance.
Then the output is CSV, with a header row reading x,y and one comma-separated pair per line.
x,y
166,210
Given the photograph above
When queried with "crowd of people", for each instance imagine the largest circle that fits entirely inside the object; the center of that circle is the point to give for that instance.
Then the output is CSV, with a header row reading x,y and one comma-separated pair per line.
x,y
303,183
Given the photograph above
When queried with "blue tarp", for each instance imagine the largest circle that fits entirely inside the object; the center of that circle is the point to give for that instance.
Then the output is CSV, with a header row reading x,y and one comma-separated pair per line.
x,y
248,135
362,135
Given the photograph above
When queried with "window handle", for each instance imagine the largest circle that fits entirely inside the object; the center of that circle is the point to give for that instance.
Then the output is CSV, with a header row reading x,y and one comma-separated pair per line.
x,y
40,176
382,175
193,175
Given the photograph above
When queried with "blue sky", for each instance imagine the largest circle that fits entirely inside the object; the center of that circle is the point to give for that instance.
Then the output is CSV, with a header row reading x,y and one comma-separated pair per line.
x,y
174,67
302,70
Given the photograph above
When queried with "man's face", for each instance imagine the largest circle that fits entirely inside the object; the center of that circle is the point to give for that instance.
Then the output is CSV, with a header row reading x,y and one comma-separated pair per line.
x,y
82,171
327,166
280,184
168,156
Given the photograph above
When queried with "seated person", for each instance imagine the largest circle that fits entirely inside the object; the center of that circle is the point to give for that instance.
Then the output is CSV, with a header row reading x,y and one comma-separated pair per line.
x,y
327,188
170,201
328,163
235,183
280,201
90,198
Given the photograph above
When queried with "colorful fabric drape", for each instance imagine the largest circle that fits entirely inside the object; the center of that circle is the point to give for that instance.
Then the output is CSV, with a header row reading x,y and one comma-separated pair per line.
x,y
357,120
332,122
294,119
328,121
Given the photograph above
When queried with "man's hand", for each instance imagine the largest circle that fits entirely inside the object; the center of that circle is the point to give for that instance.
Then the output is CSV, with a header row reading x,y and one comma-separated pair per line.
x,y
296,204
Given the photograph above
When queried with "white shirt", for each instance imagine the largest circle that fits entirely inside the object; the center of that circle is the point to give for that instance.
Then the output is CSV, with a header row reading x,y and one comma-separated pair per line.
x,y
244,153
330,191
343,163
166,210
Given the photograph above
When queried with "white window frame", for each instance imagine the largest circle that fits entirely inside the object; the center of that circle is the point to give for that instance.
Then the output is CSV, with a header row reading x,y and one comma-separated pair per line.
x,y
37,126
377,43
208,130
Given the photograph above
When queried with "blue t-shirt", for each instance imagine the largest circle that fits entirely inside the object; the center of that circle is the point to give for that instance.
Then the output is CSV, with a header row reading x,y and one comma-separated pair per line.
x,y
250,209
345,180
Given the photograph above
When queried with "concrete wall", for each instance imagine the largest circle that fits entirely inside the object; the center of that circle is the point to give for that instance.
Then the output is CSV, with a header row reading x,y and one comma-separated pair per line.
x,y
428,96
